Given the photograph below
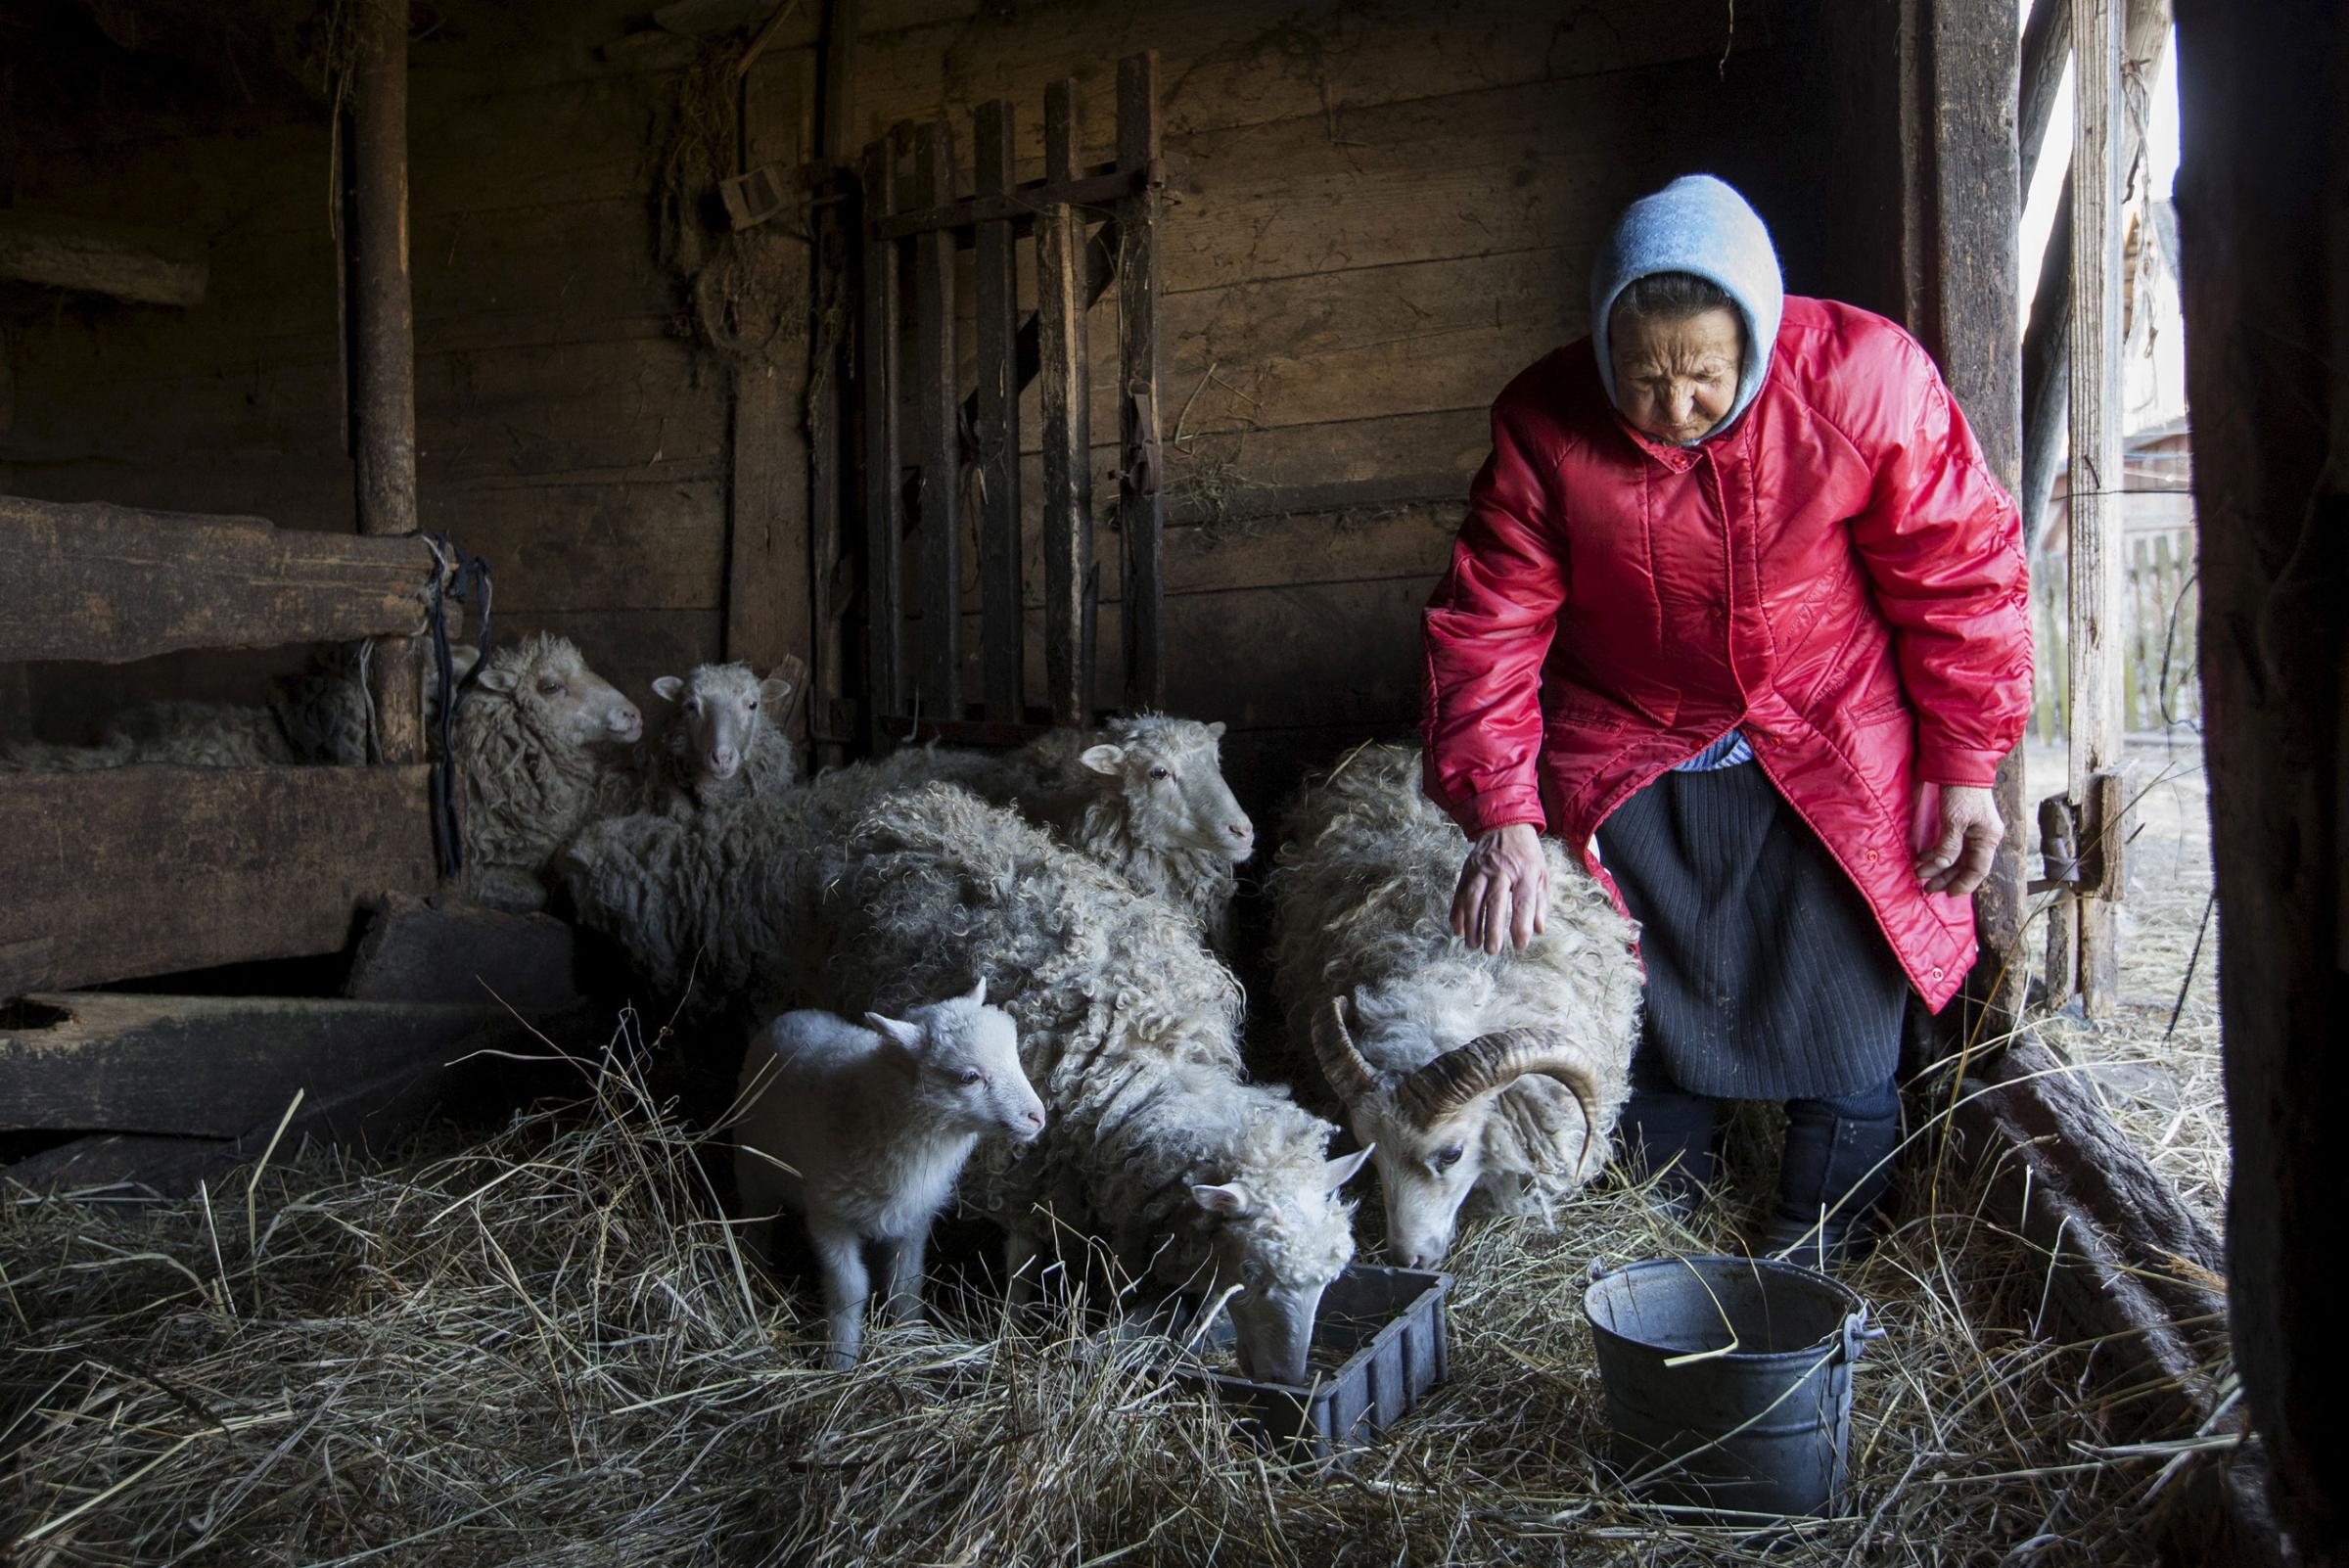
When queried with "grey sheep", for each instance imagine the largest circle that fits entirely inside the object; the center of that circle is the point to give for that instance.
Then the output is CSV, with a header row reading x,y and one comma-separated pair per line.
x,y
863,1130
720,743
1129,1028
538,741
1496,1077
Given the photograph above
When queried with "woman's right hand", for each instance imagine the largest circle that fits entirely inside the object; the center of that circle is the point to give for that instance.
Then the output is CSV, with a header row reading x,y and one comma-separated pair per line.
x,y
1503,894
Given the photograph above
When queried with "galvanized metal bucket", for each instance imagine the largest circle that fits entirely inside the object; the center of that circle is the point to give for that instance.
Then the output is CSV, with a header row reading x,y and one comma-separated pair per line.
x,y
1728,1380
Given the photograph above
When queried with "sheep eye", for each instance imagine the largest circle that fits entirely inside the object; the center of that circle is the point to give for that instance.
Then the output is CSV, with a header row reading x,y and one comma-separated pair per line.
x,y
1447,1158
548,686
754,704
972,1075
1161,773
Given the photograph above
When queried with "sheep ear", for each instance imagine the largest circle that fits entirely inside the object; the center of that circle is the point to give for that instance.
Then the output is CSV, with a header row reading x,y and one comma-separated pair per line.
x,y
1214,730
909,1036
773,689
498,677
1335,1174
1103,759
1227,1199
978,996
670,688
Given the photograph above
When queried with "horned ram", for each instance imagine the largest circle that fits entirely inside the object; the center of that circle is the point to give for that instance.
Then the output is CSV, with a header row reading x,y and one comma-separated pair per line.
x,y
1496,1078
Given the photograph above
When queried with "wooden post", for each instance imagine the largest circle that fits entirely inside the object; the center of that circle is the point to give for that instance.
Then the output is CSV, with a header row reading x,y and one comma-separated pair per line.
x,y
2046,50
884,500
1068,519
1141,509
936,436
768,613
383,348
828,457
2096,466
2263,204
1002,637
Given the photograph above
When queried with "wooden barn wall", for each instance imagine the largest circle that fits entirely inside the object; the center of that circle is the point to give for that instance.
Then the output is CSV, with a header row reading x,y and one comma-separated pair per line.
x,y
1379,213
565,426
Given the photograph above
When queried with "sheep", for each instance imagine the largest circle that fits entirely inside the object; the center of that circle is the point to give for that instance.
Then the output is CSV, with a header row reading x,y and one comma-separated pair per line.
x,y
1143,796
721,745
1129,1028
1493,1076
317,717
863,1132
537,739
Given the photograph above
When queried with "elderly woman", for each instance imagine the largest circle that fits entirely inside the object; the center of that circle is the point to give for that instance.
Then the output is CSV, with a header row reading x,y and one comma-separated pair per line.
x,y
1739,612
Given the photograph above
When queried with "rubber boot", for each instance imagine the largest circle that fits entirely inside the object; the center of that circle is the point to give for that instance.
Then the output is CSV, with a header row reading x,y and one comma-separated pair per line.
x,y
1669,1133
1834,1178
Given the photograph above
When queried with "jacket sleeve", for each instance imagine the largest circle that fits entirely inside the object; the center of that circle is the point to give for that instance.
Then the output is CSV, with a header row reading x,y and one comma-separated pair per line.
x,y
1485,633
1942,545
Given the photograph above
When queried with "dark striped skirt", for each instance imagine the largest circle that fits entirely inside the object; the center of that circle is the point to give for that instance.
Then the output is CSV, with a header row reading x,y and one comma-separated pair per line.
x,y
1768,978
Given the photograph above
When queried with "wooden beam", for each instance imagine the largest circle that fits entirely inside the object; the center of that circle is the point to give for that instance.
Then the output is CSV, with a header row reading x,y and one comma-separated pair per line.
x,y
2261,199
997,425
1100,271
383,341
1066,405
2096,563
1104,187
153,870
884,500
1142,505
213,1066
938,436
1959,161
768,613
2046,49
91,256
838,221
112,583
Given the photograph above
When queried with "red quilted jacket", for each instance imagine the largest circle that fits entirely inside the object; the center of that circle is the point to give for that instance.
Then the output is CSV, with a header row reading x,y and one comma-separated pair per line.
x,y
1837,573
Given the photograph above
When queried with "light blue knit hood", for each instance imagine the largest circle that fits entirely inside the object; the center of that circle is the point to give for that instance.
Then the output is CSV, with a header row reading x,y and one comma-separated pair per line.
x,y
1695,224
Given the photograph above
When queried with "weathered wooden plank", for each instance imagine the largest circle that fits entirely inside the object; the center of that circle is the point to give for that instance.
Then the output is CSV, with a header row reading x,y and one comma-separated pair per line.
x,y
445,950
108,583
91,256
153,870
2047,48
582,547
769,614
996,427
937,438
382,342
217,1066
1229,66
2098,629
1141,509
2266,279
1067,437
884,500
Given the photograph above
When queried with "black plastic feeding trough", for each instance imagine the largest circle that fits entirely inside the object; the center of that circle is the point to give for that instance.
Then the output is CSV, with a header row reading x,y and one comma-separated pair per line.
x,y
1386,1329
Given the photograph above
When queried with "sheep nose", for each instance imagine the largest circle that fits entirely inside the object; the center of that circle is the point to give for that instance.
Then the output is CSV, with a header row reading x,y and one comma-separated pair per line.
x,y
1035,1119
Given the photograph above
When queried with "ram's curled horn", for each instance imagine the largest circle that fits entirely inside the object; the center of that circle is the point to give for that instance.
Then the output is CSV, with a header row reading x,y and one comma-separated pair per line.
x,y
1495,1061
1341,1063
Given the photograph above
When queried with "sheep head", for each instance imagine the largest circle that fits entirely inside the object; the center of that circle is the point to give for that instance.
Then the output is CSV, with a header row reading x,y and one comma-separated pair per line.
x,y
1281,1235
1168,775
557,697
720,708
1430,1125
965,1060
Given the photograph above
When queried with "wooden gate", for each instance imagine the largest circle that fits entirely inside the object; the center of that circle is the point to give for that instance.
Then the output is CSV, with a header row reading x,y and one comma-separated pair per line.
x,y
924,436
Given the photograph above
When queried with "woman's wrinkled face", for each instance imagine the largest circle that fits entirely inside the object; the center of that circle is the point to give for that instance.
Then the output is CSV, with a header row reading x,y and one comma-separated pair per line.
x,y
1676,380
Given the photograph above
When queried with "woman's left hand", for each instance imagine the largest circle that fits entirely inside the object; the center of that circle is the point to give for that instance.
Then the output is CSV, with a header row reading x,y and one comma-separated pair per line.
x,y
1970,831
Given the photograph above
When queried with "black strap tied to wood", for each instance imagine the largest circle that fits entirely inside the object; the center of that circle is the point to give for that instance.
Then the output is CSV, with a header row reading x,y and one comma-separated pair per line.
x,y
466,578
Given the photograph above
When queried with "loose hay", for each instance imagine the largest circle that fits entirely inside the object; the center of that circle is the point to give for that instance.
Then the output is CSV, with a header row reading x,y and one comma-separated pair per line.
x,y
544,1348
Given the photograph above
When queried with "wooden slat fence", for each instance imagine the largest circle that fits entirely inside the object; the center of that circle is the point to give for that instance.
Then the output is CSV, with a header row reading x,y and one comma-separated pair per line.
x,y
2160,685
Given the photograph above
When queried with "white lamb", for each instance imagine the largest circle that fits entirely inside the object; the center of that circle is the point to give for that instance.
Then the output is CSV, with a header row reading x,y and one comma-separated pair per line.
x,y
863,1132
1492,1076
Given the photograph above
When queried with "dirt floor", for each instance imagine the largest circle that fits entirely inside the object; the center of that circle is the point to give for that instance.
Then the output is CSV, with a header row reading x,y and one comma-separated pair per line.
x,y
2156,1062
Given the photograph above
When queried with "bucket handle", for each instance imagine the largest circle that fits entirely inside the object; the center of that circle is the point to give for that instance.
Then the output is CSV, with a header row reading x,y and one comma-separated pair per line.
x,y
1859,1334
